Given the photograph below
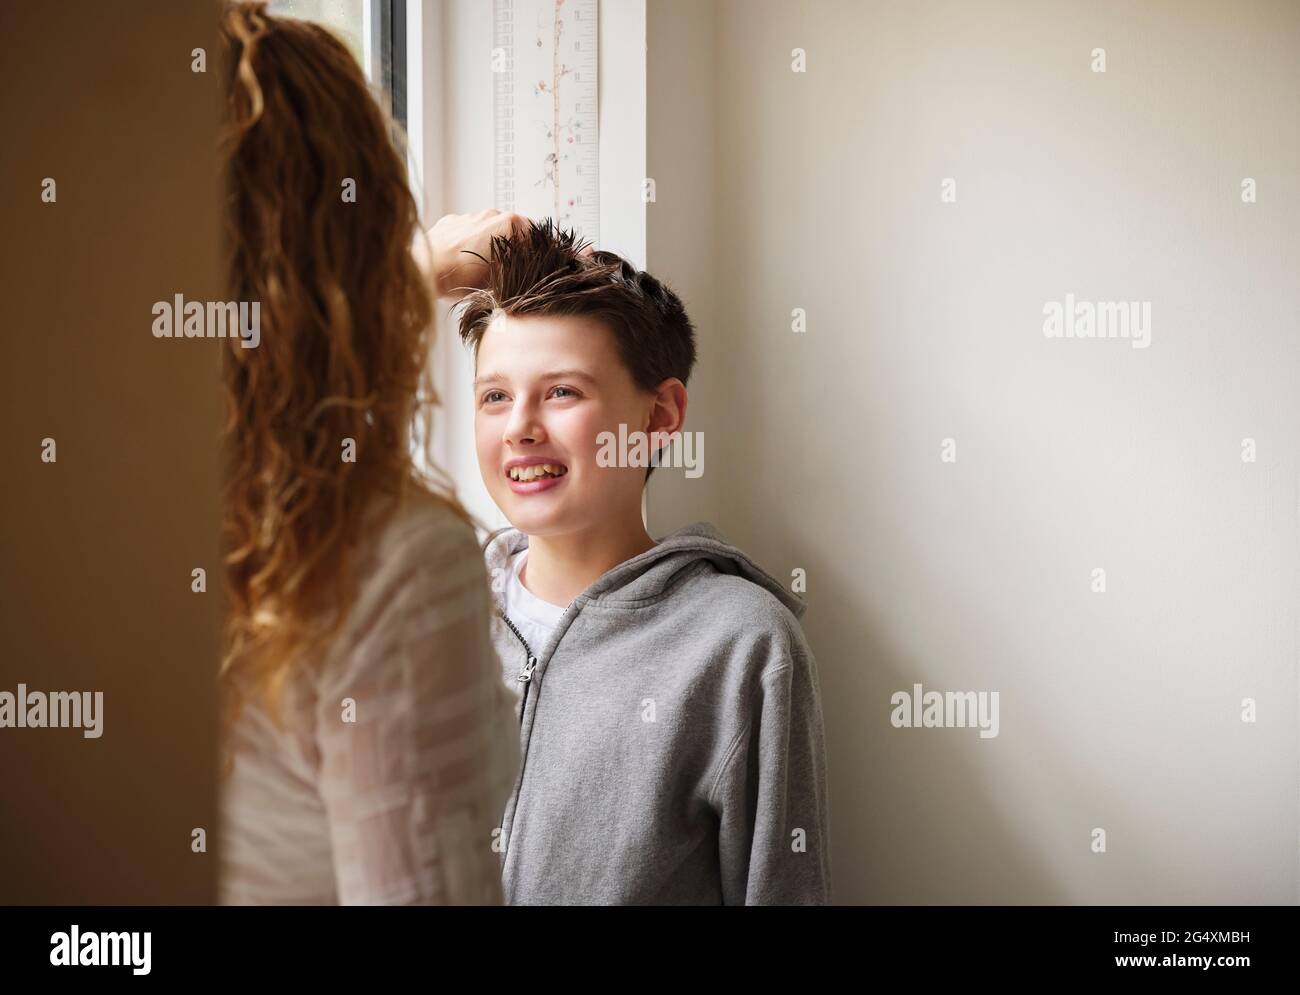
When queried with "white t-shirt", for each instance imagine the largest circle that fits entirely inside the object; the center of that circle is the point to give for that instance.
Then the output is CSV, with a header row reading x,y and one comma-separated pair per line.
x,y
535,618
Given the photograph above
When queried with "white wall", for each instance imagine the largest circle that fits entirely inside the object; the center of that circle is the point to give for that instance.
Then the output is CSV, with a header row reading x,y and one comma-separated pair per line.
x,y
821,190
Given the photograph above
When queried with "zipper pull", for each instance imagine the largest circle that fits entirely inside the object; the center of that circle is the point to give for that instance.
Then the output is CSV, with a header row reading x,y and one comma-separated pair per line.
x,y
526,674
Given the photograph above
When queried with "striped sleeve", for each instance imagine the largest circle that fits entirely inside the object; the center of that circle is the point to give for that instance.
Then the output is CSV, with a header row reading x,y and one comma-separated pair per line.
x,y
417,746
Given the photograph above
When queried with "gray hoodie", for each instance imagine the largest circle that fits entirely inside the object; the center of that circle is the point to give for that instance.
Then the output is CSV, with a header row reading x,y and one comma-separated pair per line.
x,y
670,734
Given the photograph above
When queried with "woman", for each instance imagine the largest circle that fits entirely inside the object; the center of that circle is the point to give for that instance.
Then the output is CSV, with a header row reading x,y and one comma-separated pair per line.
x,y
369,738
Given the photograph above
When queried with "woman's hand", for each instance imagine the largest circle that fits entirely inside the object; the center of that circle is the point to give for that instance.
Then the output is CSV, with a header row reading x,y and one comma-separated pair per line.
x,y
452,269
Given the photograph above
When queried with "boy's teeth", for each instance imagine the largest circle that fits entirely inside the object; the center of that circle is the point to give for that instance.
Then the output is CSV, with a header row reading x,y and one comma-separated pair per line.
x,y
525,473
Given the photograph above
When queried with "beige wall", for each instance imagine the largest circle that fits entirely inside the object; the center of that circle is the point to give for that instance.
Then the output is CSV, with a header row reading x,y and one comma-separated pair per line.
x,y
820,190
98,546
683,237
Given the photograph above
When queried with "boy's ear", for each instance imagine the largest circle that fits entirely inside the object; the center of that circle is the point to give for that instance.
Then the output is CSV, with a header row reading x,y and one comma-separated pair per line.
x,y
669,411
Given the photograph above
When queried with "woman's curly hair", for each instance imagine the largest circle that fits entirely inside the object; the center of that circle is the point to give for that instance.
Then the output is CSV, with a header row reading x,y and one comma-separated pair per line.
x,y
346,328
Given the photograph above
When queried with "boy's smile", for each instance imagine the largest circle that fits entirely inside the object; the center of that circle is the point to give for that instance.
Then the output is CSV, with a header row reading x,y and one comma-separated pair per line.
x,y
532,474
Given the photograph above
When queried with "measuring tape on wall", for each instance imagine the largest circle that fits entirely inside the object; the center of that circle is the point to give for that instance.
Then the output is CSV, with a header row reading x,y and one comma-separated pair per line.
x,y
545,111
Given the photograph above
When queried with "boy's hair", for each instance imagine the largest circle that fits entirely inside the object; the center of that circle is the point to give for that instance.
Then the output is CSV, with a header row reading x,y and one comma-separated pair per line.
x,y
539,270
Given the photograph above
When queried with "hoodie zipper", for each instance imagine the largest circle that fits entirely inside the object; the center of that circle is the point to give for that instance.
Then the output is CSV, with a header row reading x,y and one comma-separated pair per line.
x,y
524,676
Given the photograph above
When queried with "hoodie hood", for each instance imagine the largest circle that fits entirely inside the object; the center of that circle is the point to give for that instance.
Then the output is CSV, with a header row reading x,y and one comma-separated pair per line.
x,y
647,576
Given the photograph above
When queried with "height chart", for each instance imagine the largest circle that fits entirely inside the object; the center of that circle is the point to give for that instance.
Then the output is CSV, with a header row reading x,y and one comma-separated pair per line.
x,y
545,110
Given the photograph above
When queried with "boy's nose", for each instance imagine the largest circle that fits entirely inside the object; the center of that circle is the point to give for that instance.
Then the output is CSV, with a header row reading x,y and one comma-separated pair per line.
x,y
523,427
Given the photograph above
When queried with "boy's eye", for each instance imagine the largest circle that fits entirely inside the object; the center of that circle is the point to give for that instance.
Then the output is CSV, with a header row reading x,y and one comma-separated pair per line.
x,y
491,396
568,391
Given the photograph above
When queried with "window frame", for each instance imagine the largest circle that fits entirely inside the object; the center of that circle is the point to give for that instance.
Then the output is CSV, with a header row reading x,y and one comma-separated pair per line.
x,y
386,48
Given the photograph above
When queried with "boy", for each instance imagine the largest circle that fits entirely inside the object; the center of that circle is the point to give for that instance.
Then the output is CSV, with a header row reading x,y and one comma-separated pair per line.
x,y
669,706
